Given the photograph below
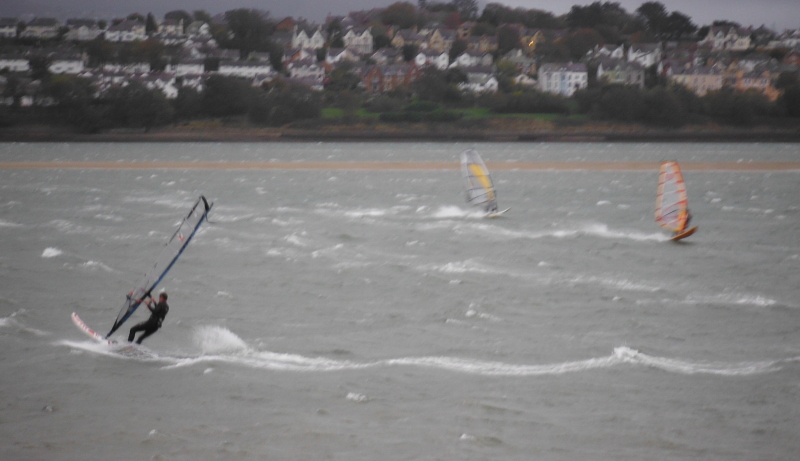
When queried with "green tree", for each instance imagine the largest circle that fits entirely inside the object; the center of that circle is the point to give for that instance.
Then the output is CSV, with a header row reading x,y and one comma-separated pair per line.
x,y
250,31
468,9
201,15
227,96
409,51
150,25
99,51
400,14
188,104
507,39
381,41
678,26
75,104
458,47
40,66
654,15
135,106
180,15
136,17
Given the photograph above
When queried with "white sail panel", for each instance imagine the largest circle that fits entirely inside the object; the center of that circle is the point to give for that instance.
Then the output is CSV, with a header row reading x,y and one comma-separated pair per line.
x,y
671,199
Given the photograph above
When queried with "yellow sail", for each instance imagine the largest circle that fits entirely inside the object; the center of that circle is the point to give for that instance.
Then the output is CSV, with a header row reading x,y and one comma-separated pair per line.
x,y
478,182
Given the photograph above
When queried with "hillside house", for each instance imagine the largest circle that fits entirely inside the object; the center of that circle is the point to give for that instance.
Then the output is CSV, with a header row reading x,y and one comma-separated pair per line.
x,y
620,72
380,79
126,31
41,28
358,40
8,27
430,57
699,79
645,54
563,79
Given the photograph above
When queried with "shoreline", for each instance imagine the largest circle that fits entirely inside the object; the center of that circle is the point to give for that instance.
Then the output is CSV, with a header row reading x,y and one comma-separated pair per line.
x,y
435,134
398,166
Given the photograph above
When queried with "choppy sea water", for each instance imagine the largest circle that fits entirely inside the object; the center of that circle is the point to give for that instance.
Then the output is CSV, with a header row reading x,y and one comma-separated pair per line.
x,y
373,315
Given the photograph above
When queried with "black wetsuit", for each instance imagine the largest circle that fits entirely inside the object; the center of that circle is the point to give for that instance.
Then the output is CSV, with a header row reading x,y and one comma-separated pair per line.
x,y
151,325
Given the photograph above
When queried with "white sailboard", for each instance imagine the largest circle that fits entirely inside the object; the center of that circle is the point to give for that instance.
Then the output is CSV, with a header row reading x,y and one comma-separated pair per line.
x,y
478,182
672,211
166,259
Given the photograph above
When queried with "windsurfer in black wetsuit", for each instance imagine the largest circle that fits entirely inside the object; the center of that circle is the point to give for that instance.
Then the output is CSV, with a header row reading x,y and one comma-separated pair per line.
x,y
157,314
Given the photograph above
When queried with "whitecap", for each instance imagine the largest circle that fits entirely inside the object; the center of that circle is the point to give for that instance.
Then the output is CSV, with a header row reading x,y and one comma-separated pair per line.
x,y
51,252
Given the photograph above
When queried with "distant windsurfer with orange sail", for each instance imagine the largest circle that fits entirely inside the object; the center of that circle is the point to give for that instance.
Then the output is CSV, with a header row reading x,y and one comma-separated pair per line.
x,y
672,211
478,183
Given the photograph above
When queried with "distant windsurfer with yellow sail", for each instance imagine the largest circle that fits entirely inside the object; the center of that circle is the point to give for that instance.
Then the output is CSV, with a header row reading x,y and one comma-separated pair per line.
x,y
478,182
672,211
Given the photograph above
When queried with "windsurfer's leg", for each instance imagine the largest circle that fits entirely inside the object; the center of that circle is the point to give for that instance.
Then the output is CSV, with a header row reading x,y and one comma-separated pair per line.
x,y
147,332
134,329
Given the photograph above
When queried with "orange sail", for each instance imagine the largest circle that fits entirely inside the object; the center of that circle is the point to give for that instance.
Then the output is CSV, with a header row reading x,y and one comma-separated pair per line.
x,y
671,201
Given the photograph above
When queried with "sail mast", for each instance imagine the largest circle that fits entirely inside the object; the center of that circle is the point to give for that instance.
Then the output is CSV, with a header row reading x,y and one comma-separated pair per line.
x,y
166,259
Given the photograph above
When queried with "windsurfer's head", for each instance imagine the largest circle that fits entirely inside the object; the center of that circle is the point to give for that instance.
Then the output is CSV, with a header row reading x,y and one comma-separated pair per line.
x,y
162,296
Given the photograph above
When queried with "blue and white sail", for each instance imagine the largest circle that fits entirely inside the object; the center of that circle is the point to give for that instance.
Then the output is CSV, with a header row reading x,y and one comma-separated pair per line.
x,y
166,259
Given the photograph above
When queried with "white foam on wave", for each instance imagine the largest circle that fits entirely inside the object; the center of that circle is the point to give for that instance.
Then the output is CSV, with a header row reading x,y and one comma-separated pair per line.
x,y
108,217
220,345
602,230
51,252
451,211
461,267
298,240
628,355
620,284
9,224
96,265
218,340
732,298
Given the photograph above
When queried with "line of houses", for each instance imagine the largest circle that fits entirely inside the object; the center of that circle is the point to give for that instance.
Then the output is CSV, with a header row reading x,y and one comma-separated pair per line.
x,y
713,62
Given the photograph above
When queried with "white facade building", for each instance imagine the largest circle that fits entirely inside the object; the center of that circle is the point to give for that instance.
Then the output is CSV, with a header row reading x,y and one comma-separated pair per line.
x,y
563,79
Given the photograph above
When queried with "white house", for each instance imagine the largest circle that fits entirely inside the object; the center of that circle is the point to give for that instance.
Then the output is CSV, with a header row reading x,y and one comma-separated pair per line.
x,y
313,39
306,68
727,38
480,80
337,55
563,79
645,54
164,82
430,57
621,72
245,69
188,67
41,28
14,63
387,56
358,39
126,31
82,30
66,64
198,29
131,68
8,27
473,58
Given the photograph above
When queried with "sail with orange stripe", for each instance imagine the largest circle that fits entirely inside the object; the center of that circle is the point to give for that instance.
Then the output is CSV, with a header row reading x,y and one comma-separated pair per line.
x,y
478,181
671,199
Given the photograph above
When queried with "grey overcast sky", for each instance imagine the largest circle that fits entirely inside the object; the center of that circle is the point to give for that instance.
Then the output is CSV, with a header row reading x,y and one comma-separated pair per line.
x,y
776,14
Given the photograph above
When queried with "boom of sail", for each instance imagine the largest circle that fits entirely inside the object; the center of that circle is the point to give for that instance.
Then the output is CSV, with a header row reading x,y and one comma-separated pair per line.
x,y
166,259
671,200
480,189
